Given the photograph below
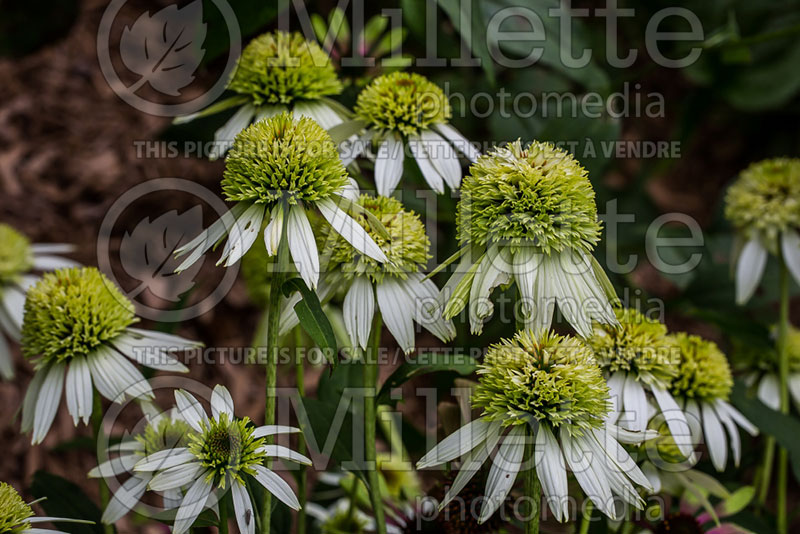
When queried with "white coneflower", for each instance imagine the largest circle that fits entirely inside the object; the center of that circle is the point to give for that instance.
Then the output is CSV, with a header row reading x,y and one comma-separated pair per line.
x,y
19,259
548,390
403,109
640,362
77,329
221,451
394,288
764,207
762,365
277,72
703,386
277,169
163,431
16,516
528,215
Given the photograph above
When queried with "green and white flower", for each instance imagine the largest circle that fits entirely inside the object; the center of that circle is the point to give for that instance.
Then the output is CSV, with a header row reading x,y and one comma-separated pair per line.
x,y
764,207
279,168
222,450
19,260
405,109
549,389
528,215
702,388
764,373
395,288
17,517
163,431
77,327
640,361
278,72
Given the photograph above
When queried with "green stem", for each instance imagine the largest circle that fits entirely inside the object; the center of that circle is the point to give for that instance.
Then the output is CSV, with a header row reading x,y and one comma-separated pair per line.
x,y
370,420
783,455
586,520
533,489
302,478
273,327
627,527
766,471
223,516
97,427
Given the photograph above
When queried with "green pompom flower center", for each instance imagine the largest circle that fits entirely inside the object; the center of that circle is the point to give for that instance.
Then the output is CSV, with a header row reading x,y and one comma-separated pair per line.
x,y
16,257
404,241
704,373
765,199
638,345
14,513
282,68
280,158
227,449
402,102
538,195
165,434
553,379
71,312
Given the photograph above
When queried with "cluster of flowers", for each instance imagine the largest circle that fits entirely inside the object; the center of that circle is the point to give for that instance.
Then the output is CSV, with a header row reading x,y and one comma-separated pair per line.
x,y
547,403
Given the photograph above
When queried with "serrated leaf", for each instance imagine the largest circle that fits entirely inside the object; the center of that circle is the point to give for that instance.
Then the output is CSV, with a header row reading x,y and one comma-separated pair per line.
x,y
313,318
66,499
426,364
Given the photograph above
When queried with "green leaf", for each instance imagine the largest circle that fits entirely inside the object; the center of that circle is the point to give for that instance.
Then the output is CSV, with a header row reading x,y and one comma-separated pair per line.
x,y
67,500
426,364
313,318
474,36
738,501
214,108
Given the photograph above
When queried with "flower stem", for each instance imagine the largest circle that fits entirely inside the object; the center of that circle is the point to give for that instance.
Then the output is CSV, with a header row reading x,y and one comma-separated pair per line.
x,y
302,476
223,516
273,326
586,520
783,332
97,427
533,489
370,420
766,471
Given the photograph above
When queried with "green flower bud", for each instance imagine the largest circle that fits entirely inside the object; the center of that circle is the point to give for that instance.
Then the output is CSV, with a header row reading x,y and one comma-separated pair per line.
x,y
704,373
14,513
16,257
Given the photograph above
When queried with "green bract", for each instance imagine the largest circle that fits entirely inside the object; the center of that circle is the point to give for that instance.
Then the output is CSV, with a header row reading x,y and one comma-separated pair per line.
x,y
283,158
226,448
165,434
406,247
15,254
766,198
402,102
539,195
553,379
704,373
14,513
71,312
638,345
281,68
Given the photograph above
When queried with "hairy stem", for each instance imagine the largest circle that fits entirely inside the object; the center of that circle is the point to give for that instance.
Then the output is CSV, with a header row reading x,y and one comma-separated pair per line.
x,y
370,420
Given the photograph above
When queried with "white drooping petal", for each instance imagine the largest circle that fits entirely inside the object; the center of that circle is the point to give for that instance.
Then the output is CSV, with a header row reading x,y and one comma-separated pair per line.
x,y
749,270
594,483
569,300
193,503
6,362
268,111
493,271
397,311
209,237
614,463
676,421
276,486
616,384
52,263
221,402
790,246
52,248
545,296
175,477
271,430
635,401
124,499
794,387
13,303
319,112
389,165
162,460
714,435
629,437
116,377
525,266
733,434
243,509
737,417
163,340
442,157
115,466
620,458
769,391
148,352
427,312
358,310
505,466
243,234
350,230
224,136
552,472
79,390
285,453
303,246
47,401
31,398
274,230
695,419
653,475
456,444
459,141
190,410
472,462
429,172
